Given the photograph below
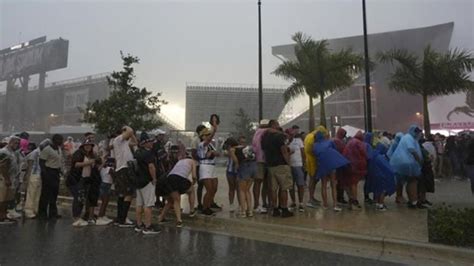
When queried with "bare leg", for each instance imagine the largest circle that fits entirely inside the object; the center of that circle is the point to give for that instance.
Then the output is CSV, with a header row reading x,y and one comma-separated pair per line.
x,y
283,199
232,182
412,190
243,201
139,213
207,200
333,189
354,192
248,196
191,197
266,191
324,191
215,183
256,192
175,198
312,187
165,210
103,206
292,194
300,194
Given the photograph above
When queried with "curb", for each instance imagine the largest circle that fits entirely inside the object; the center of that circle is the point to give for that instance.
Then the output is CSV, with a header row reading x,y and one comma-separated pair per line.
x,y
381,248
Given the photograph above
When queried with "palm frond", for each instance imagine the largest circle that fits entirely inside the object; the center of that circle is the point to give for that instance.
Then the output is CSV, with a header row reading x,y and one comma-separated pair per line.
x,y
400,56
293,91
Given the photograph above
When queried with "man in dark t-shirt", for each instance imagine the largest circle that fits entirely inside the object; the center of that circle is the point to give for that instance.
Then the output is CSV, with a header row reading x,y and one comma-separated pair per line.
x,y
277,159
145,183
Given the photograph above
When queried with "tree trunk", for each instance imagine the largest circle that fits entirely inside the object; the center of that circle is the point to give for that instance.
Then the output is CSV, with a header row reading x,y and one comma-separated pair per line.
x,y
426,115
311,114
322,119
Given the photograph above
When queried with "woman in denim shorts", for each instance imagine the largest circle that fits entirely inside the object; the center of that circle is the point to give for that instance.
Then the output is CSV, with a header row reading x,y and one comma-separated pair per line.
x,y
247,169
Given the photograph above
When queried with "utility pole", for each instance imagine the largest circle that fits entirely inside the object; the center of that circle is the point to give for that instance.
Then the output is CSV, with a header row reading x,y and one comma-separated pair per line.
x,y
260,82
368,100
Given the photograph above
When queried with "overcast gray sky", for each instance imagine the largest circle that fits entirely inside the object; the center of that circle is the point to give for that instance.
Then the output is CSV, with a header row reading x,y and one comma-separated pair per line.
x,y
207,41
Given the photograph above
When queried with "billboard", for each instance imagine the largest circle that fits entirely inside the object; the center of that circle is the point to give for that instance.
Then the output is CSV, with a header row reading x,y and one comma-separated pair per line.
x,y
39,58
452,112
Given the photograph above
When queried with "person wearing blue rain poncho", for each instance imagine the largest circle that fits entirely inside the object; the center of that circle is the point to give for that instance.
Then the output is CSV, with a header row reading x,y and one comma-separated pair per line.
x,y
395,143
399,198
329,159
406,161
380,176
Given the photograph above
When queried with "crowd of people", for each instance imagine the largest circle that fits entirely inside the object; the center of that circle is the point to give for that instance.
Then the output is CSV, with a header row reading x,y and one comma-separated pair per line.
x,y
267,174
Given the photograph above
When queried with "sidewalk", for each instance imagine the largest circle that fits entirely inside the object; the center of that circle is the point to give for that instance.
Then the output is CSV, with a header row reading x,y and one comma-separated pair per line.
x,y
397,222
399,234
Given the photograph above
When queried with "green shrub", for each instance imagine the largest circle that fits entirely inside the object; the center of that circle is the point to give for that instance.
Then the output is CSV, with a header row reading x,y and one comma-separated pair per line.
x,y
450,226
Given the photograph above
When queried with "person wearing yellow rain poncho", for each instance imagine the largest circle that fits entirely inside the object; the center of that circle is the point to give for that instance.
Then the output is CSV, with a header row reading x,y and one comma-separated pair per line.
x,y
311,164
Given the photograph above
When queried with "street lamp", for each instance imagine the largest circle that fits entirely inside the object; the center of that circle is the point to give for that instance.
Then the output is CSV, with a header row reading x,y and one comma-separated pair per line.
x,y
368,114
260,83
419,116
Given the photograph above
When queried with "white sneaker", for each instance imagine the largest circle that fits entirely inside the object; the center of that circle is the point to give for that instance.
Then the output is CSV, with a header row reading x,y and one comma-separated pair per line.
x,y
337,209
103,221
80,223
30,215
13,214
128,221
107,219
231,207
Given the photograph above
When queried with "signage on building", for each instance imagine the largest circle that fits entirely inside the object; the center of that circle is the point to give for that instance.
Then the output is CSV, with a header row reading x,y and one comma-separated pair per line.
x,y
75,99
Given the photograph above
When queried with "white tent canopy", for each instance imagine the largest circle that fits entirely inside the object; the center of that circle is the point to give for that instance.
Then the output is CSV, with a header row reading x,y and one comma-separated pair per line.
x,y
351,131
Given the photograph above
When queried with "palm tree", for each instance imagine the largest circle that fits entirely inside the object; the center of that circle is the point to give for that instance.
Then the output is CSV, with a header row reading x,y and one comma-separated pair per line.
x,y
433,75
317,71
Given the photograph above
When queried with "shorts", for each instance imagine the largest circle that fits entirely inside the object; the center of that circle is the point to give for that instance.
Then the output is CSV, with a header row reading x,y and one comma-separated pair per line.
x,y
261,171
207,171
6,193
298,175
248,171
105,189
123,183
171,184
281,177
146,196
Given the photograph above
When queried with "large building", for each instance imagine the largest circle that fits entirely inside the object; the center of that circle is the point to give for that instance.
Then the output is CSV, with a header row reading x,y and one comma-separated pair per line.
x,y
58,105
392,111
202,100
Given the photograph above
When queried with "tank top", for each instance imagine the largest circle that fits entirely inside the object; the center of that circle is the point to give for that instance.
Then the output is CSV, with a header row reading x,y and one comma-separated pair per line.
x,y
183,168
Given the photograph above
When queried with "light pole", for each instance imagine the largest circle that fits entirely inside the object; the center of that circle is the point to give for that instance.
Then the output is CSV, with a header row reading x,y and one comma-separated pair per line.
x,y
260,83
368,114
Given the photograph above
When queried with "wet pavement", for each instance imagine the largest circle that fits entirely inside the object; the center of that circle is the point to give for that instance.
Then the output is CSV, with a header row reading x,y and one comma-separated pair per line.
x,y
58,243
397,222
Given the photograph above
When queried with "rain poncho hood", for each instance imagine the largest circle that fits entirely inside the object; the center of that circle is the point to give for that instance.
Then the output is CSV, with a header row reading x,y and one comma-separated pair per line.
x,y
339,140
395,143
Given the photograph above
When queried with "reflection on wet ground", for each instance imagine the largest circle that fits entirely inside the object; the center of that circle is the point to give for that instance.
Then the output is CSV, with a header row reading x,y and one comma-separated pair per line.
x,y
58,243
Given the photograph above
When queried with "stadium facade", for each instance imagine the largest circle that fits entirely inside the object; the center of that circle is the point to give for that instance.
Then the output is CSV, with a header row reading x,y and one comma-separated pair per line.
x,y
58,104
204,99
392,111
